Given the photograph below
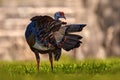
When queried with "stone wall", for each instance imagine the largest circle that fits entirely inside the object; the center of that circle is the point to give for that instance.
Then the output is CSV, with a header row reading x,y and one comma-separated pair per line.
x,y
101,35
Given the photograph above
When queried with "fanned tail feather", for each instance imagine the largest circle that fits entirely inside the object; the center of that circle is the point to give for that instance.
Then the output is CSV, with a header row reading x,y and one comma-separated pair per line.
x,y
74,27
73,36
72,41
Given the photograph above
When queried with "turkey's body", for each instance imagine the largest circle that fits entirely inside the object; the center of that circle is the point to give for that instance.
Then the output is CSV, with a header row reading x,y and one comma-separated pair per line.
x,y
47,35
39,32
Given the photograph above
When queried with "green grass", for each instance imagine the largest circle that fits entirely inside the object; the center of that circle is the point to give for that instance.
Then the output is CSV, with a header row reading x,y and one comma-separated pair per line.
x,y
65,69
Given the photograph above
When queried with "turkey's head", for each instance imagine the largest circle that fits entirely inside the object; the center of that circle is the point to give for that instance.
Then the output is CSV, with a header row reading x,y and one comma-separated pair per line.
x,y
58,15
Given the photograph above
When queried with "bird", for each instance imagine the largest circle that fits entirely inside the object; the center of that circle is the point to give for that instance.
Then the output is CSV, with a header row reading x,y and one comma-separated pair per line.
x,y
49,35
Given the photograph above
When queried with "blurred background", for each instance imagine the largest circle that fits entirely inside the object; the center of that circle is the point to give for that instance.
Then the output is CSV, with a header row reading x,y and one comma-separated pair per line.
x,y
101,36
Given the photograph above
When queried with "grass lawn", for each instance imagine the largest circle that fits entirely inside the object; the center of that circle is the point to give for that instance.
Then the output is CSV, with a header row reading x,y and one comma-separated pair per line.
x,y
65,69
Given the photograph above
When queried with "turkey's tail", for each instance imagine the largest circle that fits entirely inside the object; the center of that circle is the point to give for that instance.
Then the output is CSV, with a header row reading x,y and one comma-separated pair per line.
x,y
71,41
57,54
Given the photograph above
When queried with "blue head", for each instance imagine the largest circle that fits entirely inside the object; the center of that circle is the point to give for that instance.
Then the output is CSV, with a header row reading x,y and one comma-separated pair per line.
x,y
58,15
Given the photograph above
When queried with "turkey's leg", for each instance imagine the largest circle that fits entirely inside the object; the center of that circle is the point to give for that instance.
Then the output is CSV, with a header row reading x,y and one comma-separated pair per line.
x,y
51,60
38,60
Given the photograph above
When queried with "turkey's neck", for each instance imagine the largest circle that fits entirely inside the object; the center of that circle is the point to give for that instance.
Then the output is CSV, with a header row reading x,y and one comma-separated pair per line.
x,y
56,18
